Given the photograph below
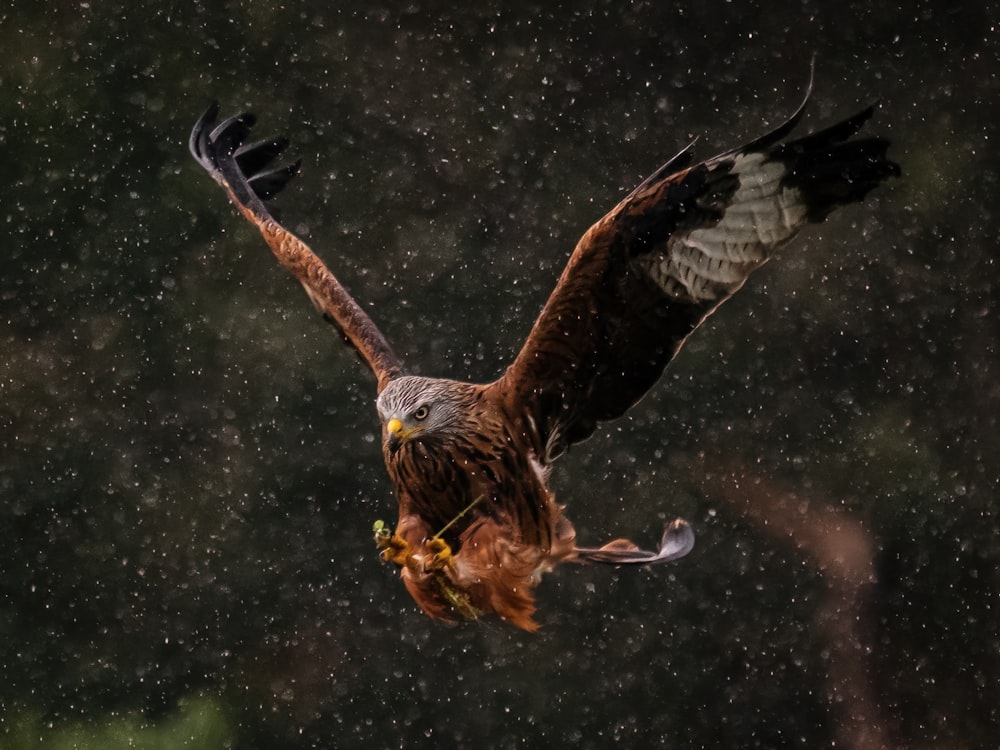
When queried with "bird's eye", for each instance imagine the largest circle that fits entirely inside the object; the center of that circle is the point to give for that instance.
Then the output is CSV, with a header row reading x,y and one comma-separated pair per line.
x,y
421,413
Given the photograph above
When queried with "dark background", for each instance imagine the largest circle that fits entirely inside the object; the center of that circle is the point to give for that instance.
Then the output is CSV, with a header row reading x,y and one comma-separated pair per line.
x,y
189,467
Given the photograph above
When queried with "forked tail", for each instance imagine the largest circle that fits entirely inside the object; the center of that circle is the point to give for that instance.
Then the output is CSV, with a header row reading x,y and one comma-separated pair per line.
x,y
677,541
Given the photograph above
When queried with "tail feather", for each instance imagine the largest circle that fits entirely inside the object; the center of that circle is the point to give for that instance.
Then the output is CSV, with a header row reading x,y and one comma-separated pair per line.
x,y
677,541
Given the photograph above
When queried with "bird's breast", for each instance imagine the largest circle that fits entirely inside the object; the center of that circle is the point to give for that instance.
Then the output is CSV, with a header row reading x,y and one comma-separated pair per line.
x,y
454,483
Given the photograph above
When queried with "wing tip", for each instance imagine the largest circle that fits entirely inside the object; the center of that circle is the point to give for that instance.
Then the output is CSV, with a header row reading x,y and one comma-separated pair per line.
x,y
246,169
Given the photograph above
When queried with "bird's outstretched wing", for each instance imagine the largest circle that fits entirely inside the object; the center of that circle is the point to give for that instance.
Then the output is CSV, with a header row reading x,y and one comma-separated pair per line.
x,y
649,272
247,174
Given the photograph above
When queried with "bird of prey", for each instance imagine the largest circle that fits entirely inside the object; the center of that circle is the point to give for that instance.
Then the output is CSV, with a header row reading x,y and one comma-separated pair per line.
x,y
478,523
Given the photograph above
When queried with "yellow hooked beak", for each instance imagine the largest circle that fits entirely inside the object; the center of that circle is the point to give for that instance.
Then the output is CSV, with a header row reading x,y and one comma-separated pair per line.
x,y
398,434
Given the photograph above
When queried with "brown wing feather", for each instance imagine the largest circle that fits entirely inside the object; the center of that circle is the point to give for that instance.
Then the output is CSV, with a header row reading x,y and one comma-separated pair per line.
x,y
648,274
245,171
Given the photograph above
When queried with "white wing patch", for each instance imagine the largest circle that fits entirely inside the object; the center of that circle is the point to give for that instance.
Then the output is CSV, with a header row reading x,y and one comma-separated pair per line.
x,y
711,263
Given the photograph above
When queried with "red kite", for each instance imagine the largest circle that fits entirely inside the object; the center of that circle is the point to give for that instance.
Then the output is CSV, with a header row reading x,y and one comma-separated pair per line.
x,y
478,523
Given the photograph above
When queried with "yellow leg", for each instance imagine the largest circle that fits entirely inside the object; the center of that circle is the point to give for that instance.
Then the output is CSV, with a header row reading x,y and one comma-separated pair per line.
x,y
442,551
442,554
393,548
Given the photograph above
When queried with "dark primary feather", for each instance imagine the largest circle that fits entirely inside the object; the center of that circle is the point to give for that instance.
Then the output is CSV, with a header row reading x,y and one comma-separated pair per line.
x,y
650,272
246,172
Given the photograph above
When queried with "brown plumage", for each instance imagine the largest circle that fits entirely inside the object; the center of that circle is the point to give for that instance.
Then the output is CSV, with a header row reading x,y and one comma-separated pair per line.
x,y
478,524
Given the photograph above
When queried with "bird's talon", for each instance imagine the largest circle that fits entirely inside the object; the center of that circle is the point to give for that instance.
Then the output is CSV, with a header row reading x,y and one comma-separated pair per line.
x,y
442,554
393,547
381,533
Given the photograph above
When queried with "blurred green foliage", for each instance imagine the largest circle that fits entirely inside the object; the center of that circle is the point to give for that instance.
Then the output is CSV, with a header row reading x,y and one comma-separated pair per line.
x,y
198,722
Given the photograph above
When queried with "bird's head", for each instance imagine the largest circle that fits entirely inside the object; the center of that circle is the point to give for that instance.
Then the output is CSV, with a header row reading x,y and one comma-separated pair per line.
x,y
412,408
